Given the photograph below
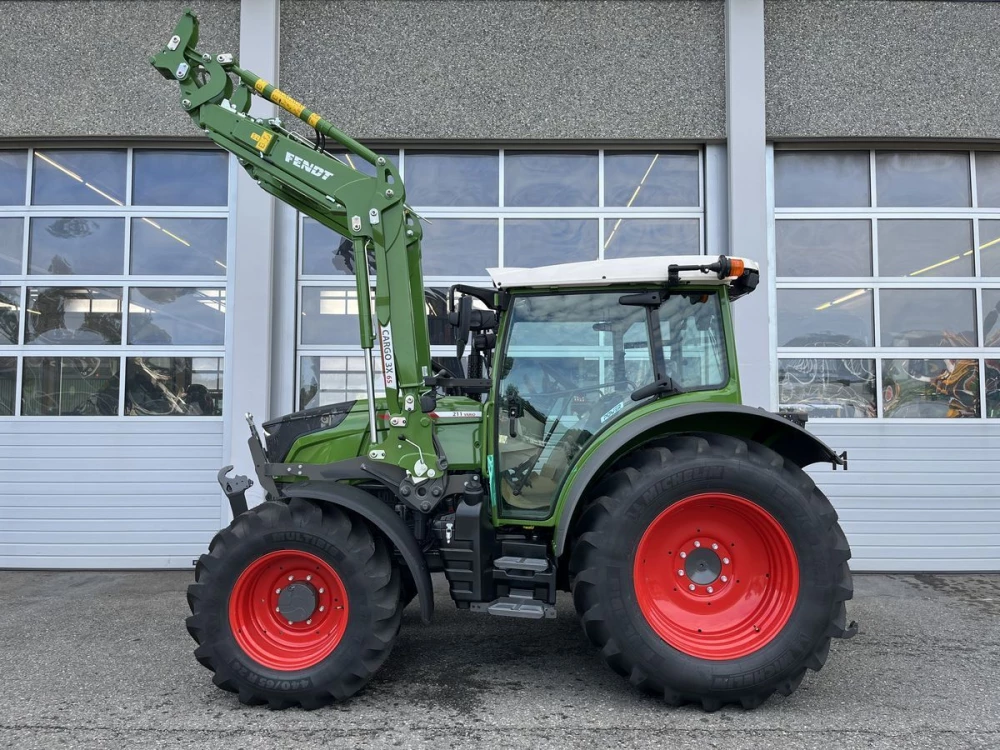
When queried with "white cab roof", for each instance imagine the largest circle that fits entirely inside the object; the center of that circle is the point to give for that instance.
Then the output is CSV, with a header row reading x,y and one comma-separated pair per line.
x,y
605,272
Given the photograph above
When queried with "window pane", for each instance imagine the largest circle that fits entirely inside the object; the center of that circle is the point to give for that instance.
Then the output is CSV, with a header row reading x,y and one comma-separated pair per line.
x,y
73,316
535,178
177,316
13,177
329,316
694,342
821,247
8,385
10,310
452,178
930,388
825,317
528,243
927,317
828,387
991,317
629,238
988,179
647,180
173,386
180,178
992,388
989,247
827,179
76,246
923,178
70,386
330,380
925,247
179,247
460,247
11,245
324,252
78,178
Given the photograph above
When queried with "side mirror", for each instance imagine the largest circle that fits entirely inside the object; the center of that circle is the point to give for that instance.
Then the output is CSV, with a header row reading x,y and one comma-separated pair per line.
x,y
461,319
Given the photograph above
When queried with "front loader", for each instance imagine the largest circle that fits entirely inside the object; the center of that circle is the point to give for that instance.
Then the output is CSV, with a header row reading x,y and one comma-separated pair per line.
x,y
593,443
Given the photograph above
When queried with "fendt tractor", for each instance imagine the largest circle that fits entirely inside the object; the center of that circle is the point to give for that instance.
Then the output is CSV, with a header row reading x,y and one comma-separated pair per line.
x,y
590,440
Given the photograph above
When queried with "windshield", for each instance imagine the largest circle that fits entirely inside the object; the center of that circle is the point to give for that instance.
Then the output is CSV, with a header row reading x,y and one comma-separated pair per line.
x,y
571,365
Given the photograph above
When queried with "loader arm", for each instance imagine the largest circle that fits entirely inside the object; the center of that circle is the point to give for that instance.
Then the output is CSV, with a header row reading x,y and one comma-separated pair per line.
x,y
369,211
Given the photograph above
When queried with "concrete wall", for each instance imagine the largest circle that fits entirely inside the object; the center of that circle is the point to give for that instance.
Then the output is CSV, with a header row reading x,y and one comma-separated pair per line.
x,y
869,69
509,70
80,68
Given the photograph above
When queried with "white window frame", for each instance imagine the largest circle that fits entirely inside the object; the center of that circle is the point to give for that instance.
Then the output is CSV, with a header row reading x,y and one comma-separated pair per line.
x,y
873,214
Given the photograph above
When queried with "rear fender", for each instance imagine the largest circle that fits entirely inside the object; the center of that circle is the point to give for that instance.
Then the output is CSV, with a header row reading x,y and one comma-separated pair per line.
x,y
779,434
384,519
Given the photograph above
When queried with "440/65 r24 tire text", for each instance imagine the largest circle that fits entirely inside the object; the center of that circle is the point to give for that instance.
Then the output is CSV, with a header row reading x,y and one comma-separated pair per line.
x,y
709,569
294,604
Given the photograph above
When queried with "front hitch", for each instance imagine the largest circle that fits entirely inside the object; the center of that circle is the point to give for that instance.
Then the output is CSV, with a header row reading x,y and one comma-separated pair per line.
x,y
235,490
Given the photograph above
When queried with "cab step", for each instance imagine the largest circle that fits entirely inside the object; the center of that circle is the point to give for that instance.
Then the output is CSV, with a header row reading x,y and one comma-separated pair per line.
x,y
519,604
533,564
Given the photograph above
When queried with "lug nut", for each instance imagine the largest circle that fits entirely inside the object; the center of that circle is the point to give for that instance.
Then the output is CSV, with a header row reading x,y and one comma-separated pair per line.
x,y
277,591
321,590
291,578
322,608
723,579
711,590
725,561
309,578
715,546
691,587
683,555
277,609
680,572
309,621
697,544
290,622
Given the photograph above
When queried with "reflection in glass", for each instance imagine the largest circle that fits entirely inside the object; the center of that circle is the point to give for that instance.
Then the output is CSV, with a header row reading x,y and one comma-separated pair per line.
x,y
651,180
630,238
178,247
529,243
329,316
65,177
453,178
827,179
537,178
8,385
76,246
182,316
923,178
825,317
925,247
10,311
930,388
173,386
460,247
992,374
70,386
988,179
927,317
823,247
331,380
73,316
13,177
180,178
828,387
324,252
991,317
989,247
11,245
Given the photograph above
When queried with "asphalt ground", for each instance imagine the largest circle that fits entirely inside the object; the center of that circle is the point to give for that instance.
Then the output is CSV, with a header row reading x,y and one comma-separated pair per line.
x,y
102,660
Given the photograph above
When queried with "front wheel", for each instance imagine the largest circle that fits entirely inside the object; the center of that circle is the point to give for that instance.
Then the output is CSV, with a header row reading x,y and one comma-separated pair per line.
x,y
708,569
294,604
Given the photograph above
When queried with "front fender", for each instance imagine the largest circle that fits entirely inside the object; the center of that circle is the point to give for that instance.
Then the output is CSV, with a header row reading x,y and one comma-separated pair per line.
x,y
384,519
779,434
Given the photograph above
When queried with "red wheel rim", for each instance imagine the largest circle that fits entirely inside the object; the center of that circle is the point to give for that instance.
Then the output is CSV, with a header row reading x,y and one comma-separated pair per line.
x,y
270,638
716,576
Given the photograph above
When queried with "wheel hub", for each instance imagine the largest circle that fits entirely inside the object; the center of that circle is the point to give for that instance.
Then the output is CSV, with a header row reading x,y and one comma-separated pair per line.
x,y
703,566
297,602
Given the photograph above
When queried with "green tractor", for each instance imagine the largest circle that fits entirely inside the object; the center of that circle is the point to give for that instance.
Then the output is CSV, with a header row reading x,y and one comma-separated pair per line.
x,y
591,441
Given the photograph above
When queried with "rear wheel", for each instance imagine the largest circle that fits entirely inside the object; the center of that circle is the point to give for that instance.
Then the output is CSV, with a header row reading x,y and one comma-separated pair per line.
x,y
295,604
709,569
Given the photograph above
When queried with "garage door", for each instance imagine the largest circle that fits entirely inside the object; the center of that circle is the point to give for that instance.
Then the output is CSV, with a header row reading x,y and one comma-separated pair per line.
x,y
887,299
112,345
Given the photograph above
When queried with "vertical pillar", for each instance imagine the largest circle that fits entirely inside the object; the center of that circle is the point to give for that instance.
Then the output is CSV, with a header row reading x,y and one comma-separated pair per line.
x,y
251,272
747,151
